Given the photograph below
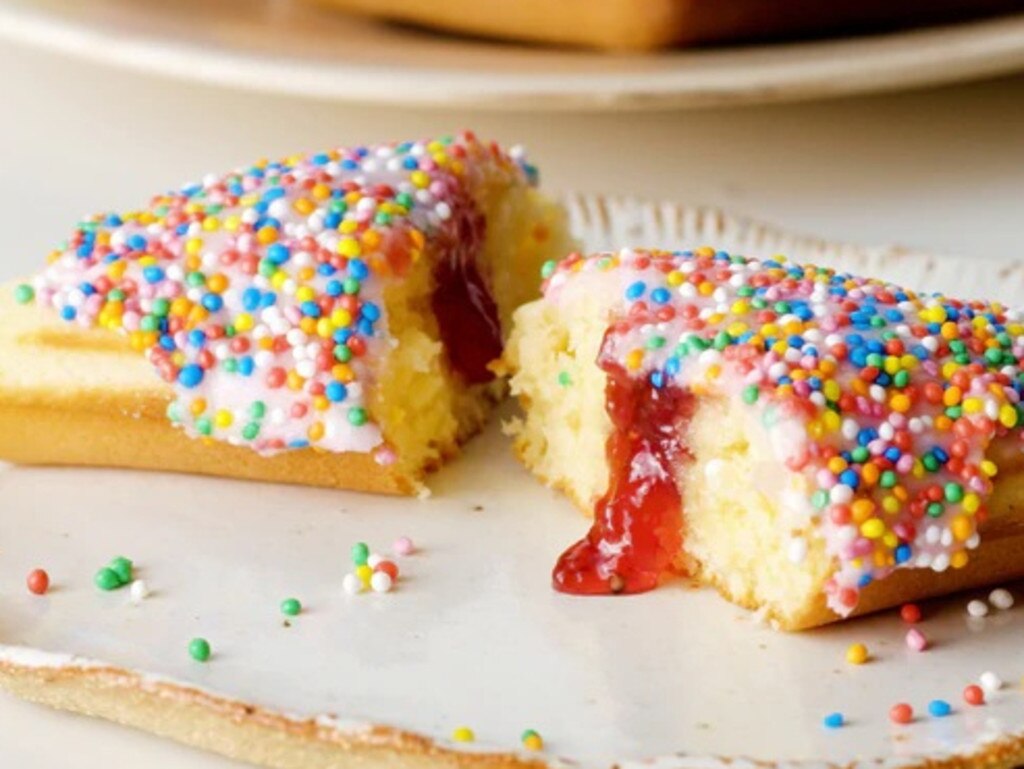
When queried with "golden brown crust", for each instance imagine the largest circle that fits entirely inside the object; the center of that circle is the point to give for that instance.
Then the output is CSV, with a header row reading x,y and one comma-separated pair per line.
x,y
250,733
232,728
649,24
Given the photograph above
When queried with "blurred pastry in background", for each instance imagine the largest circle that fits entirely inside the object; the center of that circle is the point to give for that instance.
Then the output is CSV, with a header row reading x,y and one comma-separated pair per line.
x,y
650,24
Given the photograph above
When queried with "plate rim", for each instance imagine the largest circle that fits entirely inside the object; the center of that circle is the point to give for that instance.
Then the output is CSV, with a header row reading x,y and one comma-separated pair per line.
x,y
885,62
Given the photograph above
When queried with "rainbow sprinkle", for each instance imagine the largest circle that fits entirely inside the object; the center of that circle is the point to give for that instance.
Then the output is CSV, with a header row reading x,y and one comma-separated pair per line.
x,y
883,399
258,295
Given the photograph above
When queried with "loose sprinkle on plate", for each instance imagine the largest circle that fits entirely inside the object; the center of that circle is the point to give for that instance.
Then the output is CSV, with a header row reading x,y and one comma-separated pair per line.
x,y
38,582
939,708
901,713
833,720
463,734
291,607
977,608
916,640
199,649
974,695
1001,598
857,654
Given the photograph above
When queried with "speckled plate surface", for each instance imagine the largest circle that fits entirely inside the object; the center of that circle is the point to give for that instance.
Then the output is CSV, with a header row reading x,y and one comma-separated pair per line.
x,y
474,635
285,46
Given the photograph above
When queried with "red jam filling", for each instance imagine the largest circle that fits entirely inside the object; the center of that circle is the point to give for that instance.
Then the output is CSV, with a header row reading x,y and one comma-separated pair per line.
x,y
466,314
637,532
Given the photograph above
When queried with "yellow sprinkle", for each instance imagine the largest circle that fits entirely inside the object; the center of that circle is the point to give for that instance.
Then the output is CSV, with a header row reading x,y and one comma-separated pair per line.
x,y
364,573
961,527
706,288
973,405
971,503
900,402
533,741
193,246
674,278
305,294
223,419
324,328
308,325
989,468
634,359
320,403
1008,415
462,733
959,559
316,431
832,422
419,178
198,407
873,528
951,396
349,247
831,390
341,318
243,322
891,504
857,654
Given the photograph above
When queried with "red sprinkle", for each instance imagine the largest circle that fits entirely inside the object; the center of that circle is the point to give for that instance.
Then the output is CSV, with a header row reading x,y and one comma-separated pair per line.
x,y
910,612
901,713
389,568
974,695
38,581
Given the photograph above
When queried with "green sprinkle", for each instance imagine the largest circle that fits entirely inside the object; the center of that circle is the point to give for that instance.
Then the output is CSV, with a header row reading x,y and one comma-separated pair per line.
x,y
564,379
888,479
382,219
199,649
750,394
267,268
954,492
770,417
258,410
656,342
204,426
860,454
195,279
934,509
819,499
161,307
360,553
24,294
251,431
107,579
123,568
149,323
930,462
722,340
548,268
174,411
291,607
342,354
230,365
993,356
357,416
351,286
901,379
116,295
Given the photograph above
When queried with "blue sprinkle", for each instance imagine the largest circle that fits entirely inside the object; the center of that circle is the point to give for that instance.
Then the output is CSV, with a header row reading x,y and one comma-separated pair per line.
x,y
87,289
312,309
251,299
278,253
336,392
660,295
892,454
68,312
334,288
196,338
246,365
902,553
849,478
939,708
365,327
213,302
136,242
833,720
190,376
358,269
269,299
167,342
636,290
657,379
342,335
370,311
153,274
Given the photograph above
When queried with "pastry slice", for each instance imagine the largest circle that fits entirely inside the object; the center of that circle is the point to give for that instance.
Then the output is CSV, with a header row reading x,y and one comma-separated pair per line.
x,y
650,24
811,443
327,319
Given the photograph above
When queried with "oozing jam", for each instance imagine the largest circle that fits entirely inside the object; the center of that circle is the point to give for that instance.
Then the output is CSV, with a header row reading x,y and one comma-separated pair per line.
x,y
466,314
637,531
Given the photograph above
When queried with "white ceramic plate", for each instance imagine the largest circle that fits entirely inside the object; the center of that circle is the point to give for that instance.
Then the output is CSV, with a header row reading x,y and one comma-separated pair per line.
x,y
288,46
475,635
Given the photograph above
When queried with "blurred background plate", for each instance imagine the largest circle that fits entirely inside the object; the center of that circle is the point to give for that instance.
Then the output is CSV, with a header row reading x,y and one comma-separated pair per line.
x,y
289,46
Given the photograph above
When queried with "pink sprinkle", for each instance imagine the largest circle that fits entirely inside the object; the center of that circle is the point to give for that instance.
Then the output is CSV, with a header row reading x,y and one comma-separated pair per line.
x,y
916,640
403,546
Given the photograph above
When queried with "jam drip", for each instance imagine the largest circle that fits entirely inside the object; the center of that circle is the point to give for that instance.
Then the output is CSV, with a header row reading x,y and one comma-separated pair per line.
x,y
637,531
466,314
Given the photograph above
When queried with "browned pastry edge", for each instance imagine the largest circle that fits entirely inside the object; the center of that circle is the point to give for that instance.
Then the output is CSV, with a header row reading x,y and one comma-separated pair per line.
x,y
250,733
642,25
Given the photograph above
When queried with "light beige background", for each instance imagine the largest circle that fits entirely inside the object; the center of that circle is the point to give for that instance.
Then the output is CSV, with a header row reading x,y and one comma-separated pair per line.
x,y
940,170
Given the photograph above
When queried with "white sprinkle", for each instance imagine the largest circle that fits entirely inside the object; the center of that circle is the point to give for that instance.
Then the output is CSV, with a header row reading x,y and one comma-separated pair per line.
x,y
977,608
381,582
138,591
797,550
940,562
1001,598
990,682
373,560
352,584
